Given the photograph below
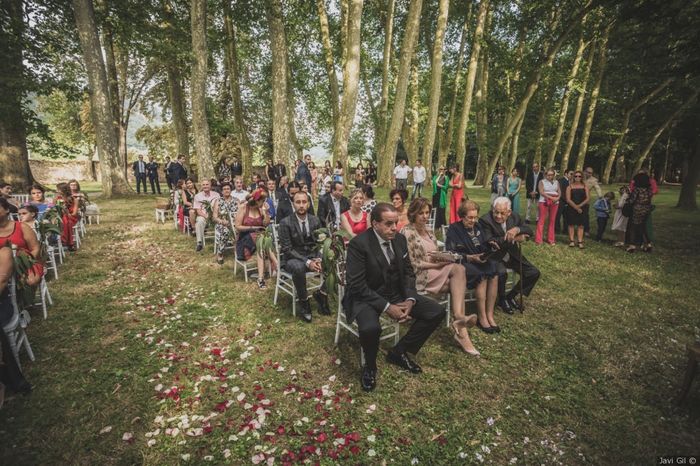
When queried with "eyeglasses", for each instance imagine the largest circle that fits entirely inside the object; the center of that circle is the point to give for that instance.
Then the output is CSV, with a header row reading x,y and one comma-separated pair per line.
x,y
577,176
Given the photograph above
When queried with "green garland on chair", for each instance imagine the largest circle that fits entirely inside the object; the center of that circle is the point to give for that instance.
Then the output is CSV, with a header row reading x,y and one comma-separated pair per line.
x,y
21,265
331,245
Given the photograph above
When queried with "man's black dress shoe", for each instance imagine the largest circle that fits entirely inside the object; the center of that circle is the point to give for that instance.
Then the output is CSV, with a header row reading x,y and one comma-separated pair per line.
x,y
402,360
368,380
514,304
322,301
504,304
199,247
305,311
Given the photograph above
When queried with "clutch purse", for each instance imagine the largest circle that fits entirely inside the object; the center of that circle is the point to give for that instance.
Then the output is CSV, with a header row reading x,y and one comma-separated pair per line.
x,y
444,256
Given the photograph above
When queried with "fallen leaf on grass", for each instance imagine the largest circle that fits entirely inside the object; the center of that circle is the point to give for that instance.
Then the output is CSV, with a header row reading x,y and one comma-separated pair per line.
x,y
106,430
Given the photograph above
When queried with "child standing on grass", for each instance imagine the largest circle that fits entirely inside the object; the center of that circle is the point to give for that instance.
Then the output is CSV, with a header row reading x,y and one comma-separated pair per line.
x,y
602,213
619,225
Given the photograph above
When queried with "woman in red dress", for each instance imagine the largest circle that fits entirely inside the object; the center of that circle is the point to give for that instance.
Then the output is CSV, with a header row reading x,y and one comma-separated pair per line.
x,y
23,237
354,221
457,185
70,214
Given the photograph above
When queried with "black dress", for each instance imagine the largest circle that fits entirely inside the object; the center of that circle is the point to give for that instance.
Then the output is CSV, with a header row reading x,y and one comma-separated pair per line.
x,y
573,218
461,240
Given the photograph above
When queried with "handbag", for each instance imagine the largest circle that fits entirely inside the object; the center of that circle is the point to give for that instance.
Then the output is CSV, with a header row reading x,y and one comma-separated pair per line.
x,y
628,209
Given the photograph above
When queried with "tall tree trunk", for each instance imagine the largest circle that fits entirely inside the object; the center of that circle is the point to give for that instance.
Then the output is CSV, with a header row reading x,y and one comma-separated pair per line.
x,y
667,153
565,103
625,127
235,85
112,76
329,61
386,161
541,124
200,126
14,158
386,67
687,198
435,87
278,45
482,115
447,133
351,82
532,85
659,131
514,145
461,148
297,148
409,131
577,111
177,108
113,179
595,92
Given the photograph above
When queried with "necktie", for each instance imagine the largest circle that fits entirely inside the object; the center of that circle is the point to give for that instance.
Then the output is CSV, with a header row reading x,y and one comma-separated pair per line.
x,y
389,252
304,232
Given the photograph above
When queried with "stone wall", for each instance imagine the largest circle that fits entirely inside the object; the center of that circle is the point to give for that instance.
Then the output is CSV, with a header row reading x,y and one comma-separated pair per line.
x,y
50,172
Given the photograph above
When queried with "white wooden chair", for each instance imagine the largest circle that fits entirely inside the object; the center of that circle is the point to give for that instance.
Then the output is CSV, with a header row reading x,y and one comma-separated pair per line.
x,y
431,220
44,296
76,236
15,327
21,198
51,253
284,279
390,328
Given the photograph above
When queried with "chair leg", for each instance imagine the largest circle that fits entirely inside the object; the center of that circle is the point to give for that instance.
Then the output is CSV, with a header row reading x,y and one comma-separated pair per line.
x,y
27,346
277,290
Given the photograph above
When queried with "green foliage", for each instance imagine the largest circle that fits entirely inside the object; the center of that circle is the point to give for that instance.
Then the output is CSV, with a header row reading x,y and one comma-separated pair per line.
x,y
159,140
331,245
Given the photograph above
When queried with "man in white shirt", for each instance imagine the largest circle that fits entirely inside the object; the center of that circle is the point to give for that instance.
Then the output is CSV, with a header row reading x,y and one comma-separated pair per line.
x,y
238,192
206,195
401,172
418,179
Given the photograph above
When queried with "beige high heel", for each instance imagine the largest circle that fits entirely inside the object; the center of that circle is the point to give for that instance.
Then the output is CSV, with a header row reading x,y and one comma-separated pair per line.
x,y
456,324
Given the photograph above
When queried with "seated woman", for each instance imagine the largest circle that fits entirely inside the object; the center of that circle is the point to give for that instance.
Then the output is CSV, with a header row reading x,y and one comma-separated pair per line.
x,y
75,190
36,192
71,214
224,207
23,237
369,202
187,198
251,220
437,277
354,221
398,199
468,239
28,214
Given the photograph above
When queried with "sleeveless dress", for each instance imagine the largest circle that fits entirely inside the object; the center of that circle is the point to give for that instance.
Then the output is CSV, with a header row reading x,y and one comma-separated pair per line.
x,y
245,246
70,219
572,217
17,238
514,198
359,226
457,184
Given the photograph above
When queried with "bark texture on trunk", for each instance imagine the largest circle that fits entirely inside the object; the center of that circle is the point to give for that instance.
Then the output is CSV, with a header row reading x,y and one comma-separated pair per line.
x,y
409,131
280,114
482,115
177,108
386,67
200,125
386,161
329,61
113,179
687,199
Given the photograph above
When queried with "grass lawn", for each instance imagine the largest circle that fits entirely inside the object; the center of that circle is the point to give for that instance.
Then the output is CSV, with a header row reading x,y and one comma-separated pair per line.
x,y
154,354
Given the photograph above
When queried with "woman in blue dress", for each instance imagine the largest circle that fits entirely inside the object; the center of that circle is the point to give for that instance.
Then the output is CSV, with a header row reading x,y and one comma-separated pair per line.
x,y
514,184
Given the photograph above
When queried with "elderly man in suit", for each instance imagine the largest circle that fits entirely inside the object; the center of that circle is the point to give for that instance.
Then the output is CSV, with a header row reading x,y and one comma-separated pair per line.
x,y
299,255
507,228
380,279
332,204
139,168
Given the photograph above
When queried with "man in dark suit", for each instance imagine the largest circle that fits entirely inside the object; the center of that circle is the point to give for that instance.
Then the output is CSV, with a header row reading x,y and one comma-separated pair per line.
x,y
280,170
532,181
152,172
332,204
380,279
285,203
166,172
139,167
507,228
177,170
299,255
303,172
236,168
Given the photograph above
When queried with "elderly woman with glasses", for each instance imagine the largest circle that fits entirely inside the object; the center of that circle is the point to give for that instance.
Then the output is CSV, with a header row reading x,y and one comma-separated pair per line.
x,y
577,197
547,206
441,184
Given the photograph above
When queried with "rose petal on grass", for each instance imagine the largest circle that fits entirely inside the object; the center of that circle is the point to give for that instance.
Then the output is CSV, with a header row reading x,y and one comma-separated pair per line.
x,y
106,430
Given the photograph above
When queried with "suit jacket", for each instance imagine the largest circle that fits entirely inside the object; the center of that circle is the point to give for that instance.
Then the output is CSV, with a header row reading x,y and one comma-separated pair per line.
x,y
152,169
494,230
532,181
280,170
284,205
303,174
177,172
135,168
326,211
366,269
236,169
292,244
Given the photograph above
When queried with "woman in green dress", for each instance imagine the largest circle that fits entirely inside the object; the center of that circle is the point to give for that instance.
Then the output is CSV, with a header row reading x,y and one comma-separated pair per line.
x,y
441,183
514,184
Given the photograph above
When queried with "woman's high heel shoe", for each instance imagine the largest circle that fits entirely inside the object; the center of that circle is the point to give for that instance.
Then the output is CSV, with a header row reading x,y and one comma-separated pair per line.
x,y
458,339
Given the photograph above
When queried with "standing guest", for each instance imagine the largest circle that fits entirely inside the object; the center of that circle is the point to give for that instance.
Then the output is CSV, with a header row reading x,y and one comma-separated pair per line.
x,y
506,228
236,168
640,199
602,209
37,199
223,168
338,172
315,175
359,175
188,191
327,166
457,185
6,193
513,186
299,254
564,182
370,173
532,181
251,220
325,184
471,240
166,172
206,195
577,196
71,214
303,173
285,208
592,184
419,175
152,172
293,174
238,192
331,205
547,207
498,183
401,172
434,276
139,168
398,200
619,225
280,170
179,172
23,237
380,279
272,199
369,203
270,171
354,220
441,184
224,210
654,187
216,185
